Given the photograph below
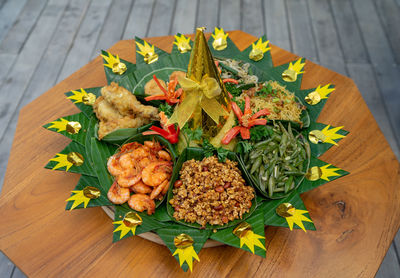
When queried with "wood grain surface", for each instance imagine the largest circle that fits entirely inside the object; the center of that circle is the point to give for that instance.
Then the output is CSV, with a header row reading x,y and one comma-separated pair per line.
x,y
356,216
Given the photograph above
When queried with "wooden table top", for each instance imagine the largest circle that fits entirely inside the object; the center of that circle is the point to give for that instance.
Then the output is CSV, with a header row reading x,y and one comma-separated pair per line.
x,y
356,216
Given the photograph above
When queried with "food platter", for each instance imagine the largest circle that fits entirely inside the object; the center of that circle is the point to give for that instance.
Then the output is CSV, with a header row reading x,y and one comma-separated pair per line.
x,y
200,147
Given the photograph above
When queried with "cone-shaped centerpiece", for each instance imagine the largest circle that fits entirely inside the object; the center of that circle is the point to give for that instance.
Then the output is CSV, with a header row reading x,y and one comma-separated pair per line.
x,y
205,101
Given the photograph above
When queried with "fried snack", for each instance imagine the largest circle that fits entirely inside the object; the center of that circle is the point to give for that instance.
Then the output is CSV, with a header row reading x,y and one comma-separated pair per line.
x,y
151,88
118,108
211,192
126,103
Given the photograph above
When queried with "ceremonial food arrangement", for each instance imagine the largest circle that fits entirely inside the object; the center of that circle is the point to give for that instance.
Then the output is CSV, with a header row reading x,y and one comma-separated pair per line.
x,y
205,142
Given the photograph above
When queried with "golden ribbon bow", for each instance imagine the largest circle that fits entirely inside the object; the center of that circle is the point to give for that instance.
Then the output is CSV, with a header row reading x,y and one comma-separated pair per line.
x,y
196,93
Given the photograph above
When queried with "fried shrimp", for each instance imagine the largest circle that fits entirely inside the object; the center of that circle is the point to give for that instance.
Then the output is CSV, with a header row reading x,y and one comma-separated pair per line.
x,y
141,202
159,189
118,195
156,172
140,187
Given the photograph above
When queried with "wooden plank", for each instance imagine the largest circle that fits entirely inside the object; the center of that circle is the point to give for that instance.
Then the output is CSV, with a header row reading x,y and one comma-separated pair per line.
x,y
18,273
24,66
43,78
382,59
300,30
25,22
364,77
114,25
349,33
326,38
276,23
85,40
139,19
161,19
229,15
389,14
185,17
6,266
253,17
8,14
390,266
207,14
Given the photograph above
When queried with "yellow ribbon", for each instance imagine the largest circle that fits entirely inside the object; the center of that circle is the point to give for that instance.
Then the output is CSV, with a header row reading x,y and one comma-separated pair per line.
x,y
198,94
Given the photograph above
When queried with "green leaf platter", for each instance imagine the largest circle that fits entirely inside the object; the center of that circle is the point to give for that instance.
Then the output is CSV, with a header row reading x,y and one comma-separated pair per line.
x,y
95,153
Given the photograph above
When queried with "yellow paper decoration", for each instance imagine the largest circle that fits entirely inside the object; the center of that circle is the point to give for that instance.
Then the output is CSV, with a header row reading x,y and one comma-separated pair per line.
x,y
82,96
292,215
185,250
290,74
320,93
62,160
129,223
315,173
83,196
183,43
247,237
219,37
114,63
148,52
60,125
258,50
325,135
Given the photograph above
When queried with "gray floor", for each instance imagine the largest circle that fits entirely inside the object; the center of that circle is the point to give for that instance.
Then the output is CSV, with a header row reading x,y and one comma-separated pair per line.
x,y
44,41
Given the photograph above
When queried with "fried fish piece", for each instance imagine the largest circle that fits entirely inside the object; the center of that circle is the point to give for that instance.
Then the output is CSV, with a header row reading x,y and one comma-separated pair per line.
x,y
105,111
105,127
126,103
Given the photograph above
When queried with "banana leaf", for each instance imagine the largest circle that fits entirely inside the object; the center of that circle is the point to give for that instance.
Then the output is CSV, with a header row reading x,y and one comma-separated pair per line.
x,y
100,154
198,154
273,219
86,109
115,77
88,140
81,135
226,236
119,136
90,181
85,168
149,223
320,148
308,185
168,234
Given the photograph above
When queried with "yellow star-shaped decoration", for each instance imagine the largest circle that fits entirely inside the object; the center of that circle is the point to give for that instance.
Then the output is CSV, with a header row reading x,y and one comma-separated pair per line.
x,y
114,63
324,91
78,198
297,66
186,255
328,172
62,160
219,37
77,96
124,229
148,52
183,43
250,239
297,218
331,134
60,124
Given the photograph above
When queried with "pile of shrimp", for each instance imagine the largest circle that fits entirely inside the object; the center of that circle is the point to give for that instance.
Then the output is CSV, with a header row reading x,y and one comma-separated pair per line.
x,y
144,170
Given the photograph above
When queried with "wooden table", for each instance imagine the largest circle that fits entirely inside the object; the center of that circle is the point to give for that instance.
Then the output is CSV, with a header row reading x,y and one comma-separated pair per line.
x,y
356,216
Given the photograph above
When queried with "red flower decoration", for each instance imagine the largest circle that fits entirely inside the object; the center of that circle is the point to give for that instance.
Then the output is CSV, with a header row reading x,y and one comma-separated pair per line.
x,y
170,95
246,121
168,132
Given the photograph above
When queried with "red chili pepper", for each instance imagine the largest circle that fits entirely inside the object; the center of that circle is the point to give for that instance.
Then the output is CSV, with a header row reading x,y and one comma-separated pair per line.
x,y
230,80
246,121
170,133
